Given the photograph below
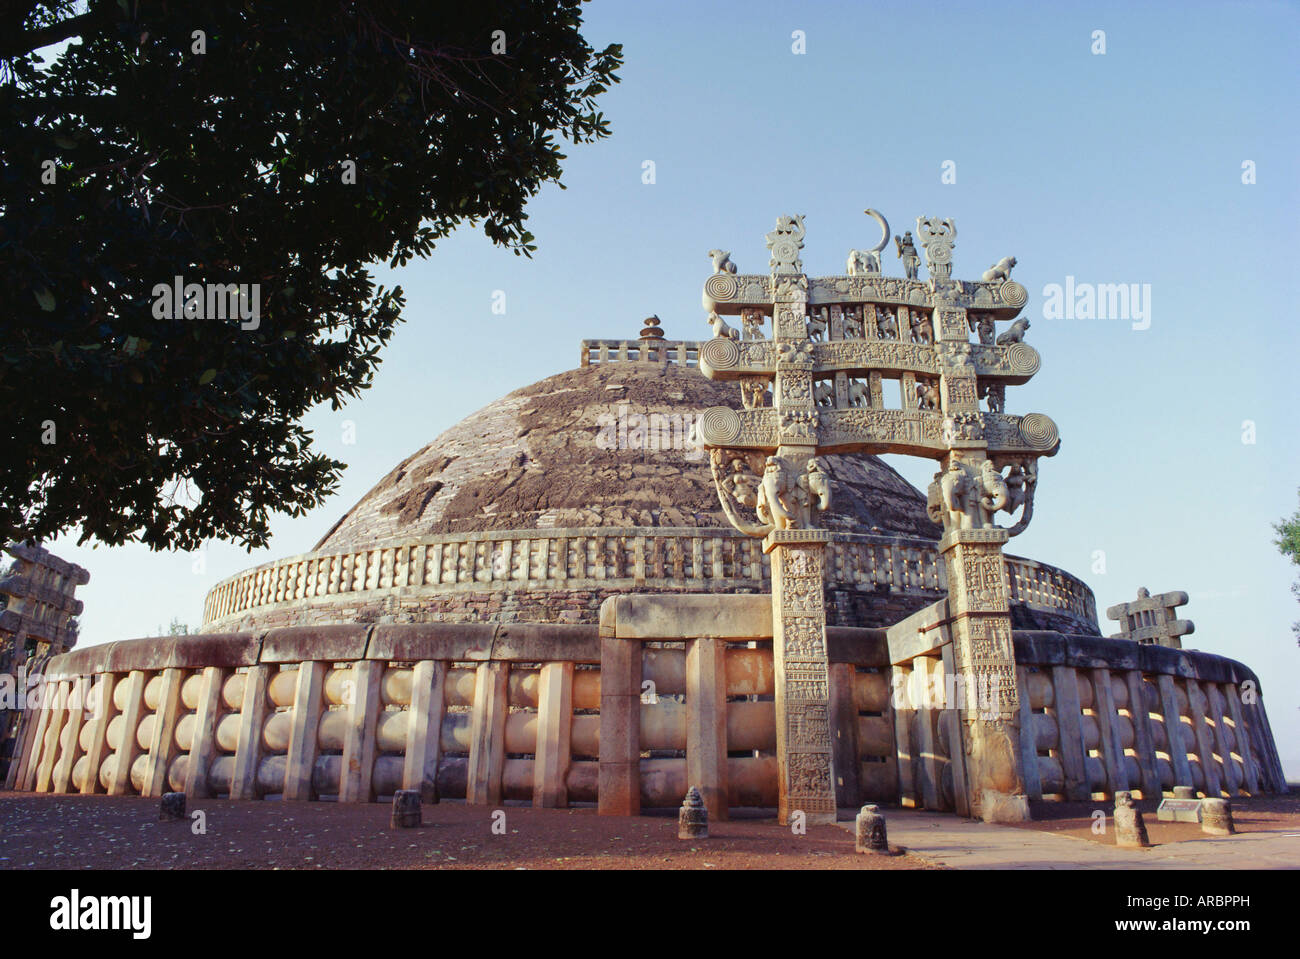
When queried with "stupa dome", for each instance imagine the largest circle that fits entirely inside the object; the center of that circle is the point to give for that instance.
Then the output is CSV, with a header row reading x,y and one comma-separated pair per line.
x,y
600,446
586,485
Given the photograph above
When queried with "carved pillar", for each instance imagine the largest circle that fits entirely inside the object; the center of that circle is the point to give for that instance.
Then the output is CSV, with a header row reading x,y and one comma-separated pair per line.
x,y
803,741
984,661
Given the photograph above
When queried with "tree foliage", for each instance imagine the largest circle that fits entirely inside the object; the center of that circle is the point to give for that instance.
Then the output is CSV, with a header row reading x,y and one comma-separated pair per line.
x,y
212,141
1288,544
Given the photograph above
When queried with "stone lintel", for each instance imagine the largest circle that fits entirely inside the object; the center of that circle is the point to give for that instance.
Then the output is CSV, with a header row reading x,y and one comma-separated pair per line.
x,y
796,537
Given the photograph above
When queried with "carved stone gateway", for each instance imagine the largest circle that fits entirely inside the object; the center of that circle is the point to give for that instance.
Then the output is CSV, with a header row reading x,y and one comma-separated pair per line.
x,y
836,342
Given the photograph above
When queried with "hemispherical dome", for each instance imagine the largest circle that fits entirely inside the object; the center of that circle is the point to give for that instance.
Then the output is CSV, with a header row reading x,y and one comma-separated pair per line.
x,y
601,446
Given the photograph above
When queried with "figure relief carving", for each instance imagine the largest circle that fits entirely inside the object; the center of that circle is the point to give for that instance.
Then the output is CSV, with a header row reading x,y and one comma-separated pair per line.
x,y
852,324
824,394
995,394
907,253
927,394
886,325
859,394
796,386
752,323
983,325
722,262
922,328
818,325
797,354
753,392
868,261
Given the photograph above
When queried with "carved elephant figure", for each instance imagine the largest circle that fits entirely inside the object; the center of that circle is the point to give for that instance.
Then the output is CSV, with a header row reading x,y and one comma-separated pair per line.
x,y
816,484
993,492
961,497
859,393
823,394
777,503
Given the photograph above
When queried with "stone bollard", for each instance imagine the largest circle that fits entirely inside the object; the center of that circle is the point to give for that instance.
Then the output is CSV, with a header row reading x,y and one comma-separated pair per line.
x,y
172,807
871,835
1216,817
693,820
1130,830
406,809
1184,792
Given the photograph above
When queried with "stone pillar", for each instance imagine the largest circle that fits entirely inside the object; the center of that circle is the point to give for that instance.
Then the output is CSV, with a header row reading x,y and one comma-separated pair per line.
x,y
203,745
487,744
127,749
1174,733
986,669
554,725
359,749
252,720
162,747
1112,752
846,750
304,731
803,742
424,729
1143,740
105,709
619,792
706,722
81,691
1028,737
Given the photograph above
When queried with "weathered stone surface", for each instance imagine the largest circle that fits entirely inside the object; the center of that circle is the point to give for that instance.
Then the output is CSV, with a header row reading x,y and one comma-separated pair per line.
x,y
693,818
406,809
1216,817
1130,830
871,835
171,807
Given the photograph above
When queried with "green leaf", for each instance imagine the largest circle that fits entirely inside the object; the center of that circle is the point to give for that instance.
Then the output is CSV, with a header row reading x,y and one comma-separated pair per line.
x,y
207,377
46,299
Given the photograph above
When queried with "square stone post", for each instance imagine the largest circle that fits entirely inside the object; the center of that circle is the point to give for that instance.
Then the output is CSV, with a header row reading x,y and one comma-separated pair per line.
x,y
803,740
984,660
706,722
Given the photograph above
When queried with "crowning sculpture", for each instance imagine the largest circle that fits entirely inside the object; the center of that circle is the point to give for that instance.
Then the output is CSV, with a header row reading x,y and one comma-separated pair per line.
x,y
835,341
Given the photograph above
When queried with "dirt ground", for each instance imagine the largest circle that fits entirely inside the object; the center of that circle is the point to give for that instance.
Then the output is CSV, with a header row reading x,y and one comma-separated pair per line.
x,y
1248,815
102,832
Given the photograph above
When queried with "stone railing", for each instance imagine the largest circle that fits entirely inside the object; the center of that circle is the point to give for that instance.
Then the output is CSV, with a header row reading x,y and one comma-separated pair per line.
x,y
599,352
668,691
1095,715
685,559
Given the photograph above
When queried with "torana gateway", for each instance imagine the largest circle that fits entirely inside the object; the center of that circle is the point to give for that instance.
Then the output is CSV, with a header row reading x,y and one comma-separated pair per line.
x,y
634,578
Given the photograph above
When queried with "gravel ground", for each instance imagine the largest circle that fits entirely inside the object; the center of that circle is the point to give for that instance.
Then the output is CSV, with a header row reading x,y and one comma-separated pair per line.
x,y
103,832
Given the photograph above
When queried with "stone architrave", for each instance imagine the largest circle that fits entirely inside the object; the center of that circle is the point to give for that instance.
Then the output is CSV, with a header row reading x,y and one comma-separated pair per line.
x,y
1152,619
918,334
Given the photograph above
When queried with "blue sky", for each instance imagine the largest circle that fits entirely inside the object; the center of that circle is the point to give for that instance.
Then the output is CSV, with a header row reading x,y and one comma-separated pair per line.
x,y
1117,168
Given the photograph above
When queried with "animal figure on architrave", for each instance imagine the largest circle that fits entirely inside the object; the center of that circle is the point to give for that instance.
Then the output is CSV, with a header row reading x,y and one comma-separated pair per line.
x,y
823,394
922,329
859,393
817,327
934,502
993,492
722,261
720,327
927,395
886,324
852,325
1015,333
857,263
1001,270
